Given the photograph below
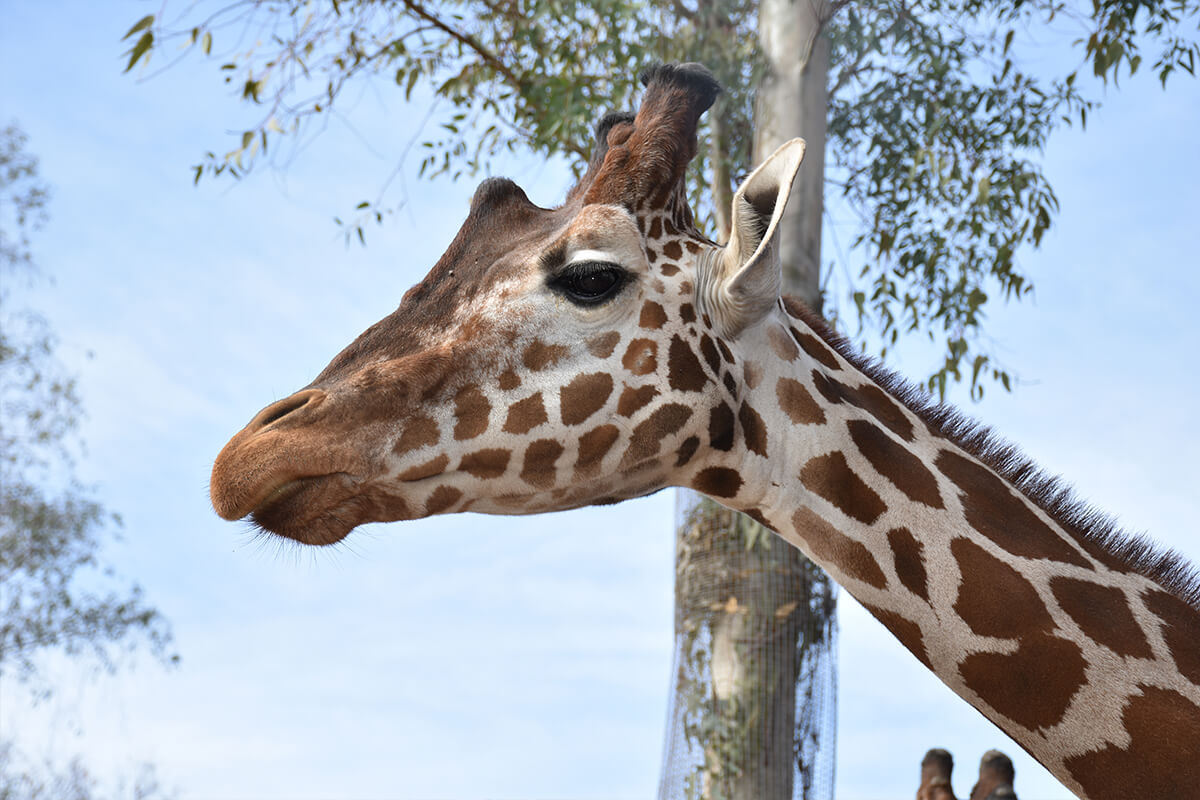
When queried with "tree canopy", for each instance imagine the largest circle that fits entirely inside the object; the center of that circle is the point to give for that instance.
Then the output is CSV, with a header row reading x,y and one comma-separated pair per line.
x,y
934,124
57,593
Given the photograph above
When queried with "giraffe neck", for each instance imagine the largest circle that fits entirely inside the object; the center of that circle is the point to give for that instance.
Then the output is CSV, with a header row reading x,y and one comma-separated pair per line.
x,y
1074,640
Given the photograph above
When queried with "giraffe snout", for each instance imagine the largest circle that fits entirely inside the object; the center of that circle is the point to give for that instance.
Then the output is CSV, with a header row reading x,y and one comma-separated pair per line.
x,y
306,400
276,448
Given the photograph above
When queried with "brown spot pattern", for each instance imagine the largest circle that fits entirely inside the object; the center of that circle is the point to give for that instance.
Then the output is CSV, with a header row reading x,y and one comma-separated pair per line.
x,y
816,349
730,384
540,355
538,468
908,556
525,415
720,428
1103,614
907,631
442,498
648,435
1160,761
830,546
603,345
881,406
1032,686
672,250
633,400
894,462
830,477
684,372
797,403
668,269
471,411
653,316
687,313
784,347
993,598
509,380
1179,630
831,390
641,357
869,398
593,446
754,429
993,510
686,450
709,351
419,431
655,228
717,482
487,463
584,396
434,466
726,353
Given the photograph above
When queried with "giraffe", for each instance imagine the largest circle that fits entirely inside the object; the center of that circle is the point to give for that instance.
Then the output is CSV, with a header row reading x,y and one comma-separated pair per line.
x,y
604,349
995,782
996,777
936,768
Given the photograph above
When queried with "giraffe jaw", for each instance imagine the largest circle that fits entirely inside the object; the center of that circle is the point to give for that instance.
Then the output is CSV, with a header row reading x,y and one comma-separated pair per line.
x,y
292,484
313,510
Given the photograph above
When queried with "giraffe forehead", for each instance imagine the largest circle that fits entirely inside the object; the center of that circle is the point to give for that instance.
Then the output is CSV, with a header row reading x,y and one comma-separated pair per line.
x,y
483,264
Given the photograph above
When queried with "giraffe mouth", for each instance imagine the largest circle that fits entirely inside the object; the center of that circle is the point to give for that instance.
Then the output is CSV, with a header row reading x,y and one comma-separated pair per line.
x,y
314,510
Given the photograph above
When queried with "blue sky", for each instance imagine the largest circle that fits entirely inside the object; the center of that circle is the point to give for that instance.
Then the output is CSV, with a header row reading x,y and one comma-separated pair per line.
x,y
469,656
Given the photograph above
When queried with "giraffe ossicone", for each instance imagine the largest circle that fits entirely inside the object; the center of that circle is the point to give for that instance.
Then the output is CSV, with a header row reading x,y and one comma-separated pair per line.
x,y
605,349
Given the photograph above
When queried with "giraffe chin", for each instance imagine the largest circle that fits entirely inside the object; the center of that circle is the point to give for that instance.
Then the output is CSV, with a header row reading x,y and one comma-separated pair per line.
x,y
318,511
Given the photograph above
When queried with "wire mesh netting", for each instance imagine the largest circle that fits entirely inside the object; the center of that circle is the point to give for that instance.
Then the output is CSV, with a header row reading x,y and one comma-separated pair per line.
x,y
753,707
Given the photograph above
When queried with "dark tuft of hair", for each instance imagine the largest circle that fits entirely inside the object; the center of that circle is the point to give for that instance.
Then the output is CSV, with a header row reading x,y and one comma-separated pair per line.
x,y
1095,531
610,121
694,78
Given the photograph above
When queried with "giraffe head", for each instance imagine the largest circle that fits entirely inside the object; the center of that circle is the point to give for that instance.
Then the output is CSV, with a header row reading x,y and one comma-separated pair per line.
x,y
552,358
936,768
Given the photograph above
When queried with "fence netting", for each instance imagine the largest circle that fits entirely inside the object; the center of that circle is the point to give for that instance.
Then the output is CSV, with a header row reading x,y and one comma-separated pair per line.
x,y
753,707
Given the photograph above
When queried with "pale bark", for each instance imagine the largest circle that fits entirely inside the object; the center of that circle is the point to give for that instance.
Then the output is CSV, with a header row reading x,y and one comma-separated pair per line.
x,y
792,101
757,665
722,189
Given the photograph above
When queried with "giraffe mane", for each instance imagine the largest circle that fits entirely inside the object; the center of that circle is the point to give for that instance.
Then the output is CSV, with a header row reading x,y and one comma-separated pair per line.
x,y
1098,532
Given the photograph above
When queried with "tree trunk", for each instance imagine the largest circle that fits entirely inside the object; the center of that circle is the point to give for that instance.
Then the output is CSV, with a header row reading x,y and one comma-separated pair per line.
x,y
753,615
792,101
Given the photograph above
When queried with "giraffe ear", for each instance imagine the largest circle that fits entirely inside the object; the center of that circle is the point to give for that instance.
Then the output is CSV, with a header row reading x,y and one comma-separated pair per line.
x,y
748,279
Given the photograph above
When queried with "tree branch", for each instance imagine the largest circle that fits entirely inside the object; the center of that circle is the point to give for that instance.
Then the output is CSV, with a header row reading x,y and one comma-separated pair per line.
x,y
488,56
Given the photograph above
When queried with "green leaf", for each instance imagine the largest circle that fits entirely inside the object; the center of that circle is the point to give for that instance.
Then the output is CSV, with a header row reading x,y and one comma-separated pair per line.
x,y
140,25
141,48
206,43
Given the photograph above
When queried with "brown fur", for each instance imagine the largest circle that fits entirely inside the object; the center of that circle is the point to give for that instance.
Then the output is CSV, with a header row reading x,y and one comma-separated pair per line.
x,y
1098,533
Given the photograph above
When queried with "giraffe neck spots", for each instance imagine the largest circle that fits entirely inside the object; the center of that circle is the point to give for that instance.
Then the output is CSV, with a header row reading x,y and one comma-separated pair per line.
x,y
1022,614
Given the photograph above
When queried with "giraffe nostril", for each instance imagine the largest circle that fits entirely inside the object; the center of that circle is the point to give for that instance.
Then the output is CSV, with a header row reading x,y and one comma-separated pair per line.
x,y
288,405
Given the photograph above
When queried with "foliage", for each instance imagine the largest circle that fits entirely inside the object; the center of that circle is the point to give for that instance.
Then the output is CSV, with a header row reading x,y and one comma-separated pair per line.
x,y
934,125
55,592
20,780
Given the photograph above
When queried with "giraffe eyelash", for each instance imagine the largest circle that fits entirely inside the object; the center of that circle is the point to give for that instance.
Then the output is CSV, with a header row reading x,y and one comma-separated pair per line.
x,y
590,283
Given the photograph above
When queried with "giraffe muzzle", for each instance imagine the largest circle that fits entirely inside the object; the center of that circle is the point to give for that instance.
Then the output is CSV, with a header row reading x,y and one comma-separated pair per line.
x,y
291,475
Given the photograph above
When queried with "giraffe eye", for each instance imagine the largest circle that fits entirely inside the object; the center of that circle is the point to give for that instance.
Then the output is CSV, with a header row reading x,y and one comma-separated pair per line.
x,y
590,283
